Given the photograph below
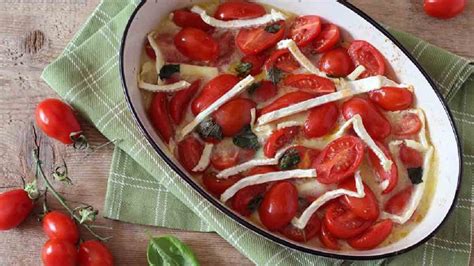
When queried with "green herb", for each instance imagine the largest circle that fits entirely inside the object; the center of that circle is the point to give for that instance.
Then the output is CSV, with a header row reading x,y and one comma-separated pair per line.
x,y
243,69
415,175
290,159
251,90
274,75
168,70
255,203
246,139
274,28
168,250
210,129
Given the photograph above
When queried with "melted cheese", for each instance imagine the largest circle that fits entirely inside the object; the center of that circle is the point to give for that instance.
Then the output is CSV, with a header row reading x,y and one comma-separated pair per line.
x,y
299,56
190,71
356,73
180,85
205,158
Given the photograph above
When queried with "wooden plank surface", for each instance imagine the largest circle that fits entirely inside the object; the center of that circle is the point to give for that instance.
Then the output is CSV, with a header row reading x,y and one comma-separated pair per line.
x,y
33,33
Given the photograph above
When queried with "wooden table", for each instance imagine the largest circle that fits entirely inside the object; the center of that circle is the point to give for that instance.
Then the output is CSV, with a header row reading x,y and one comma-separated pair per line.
x,y
33,33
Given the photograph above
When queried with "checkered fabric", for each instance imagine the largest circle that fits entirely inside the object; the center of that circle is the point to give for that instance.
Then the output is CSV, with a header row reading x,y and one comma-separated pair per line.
x,y
143,189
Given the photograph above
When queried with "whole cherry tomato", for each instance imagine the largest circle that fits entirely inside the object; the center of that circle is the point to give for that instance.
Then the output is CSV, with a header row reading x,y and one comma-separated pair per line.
x,y
283,60
57,252
397,203
57,120
392,98
15,206
366,208
233,116
321,120
252,41
212,91
310,83
245,201
94,253
336,62
411,158
264,92
58,225
305,29
328,239
311,229
196,44
390,176
444,9
239,10
180,101
342,223
185,18
279,206
363,53
286,100
409,124
189,151
278,139
327,38
217,186
159,116
373,237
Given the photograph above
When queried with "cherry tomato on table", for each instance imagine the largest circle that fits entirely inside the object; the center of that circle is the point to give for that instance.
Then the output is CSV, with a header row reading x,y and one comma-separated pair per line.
x,y
189,151
305,29
321,120
328,239
94,253
239,10
58,225
366,208
310,83
196,44
279,205
411,158
255,40
286,100
278,139
15,206
342,223
226,154
57,252
390,176
336,62
327,38
212,91
363,53
392,98
217,186
444,9
264,92
311,229
180,101
159,116
185,18
396,204
234,115
256,61
373,237
409,124
283,60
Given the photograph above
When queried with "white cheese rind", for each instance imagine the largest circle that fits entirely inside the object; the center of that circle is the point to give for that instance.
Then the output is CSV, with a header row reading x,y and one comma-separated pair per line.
x,y
265,178
159,61
205,158
253,117
180,85
356,73
299,56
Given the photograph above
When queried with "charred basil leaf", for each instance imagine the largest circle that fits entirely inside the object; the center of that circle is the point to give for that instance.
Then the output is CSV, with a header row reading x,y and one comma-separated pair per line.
x,y
415,175
210,129
274,28
251,90
168,70
255,203
274,75
246,139
243,69
290,159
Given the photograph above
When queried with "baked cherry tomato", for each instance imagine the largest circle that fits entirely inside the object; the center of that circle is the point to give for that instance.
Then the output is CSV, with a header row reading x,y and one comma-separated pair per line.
x,y
189,151
212,91
373,237
409,124
444,9
247,200
234,115
217,186
310,83
411,158
376,124
239,10
342,223
336,62
94,253
307,156
363,53
255,40
58,225
339,160
366,208
328,240
15,206
159,116
390,176
185,18
396,204
283,60
286,100
196,44
264,92
392,98
257,62
225,155
278,139
305,29
57,120
327,38
57,252
321,120
149,51
180,101
303,235
279,205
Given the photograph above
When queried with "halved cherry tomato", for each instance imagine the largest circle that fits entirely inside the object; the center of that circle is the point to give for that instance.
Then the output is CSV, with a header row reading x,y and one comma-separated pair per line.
x,y
336,62
255,40
411,158
283,60
159,116
279,205
392,175
392,98
339,160
257,62
310,83
189,151
278,139
363,53
245,200
196,44
327,38
410,124
265,91
58,225
303,235
376,124
305,29
373,237
180,101
234,115
307,156
444,9
328,239
286,100
15,206
185,18
366,208
342,223
94,253
57,252
396,204
239,10
321,120
217,186
225,155
212,91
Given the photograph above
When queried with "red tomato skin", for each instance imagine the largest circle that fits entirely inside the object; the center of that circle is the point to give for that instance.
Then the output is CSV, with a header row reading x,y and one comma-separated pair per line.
x,y
411,158
363,53
366,208
410,124
279,206
396,204
257,62
336,62
15,206
189,151
391,175
278,139
180,101
239,10
310,83
260,170
212,91
149,51
58,225
265,91
57,252
57,120
196,44
303,235
444,9
392,98
376,124
373,237
321,120
185,18
283,60
94,253
233,116
159,116
327,38
225,155
241,200
328,240
256,40
305,29
343,223
217,186
286,100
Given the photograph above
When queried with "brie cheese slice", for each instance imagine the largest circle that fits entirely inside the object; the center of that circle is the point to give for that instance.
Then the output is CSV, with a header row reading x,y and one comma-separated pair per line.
x,y
205,158
180,85
159,62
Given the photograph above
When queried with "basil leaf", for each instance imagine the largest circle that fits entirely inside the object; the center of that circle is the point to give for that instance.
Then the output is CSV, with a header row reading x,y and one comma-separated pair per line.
x,y
251,90
274,28
415,175
210,129
243,69
168,250
274,75
246,139
255,203
168,70
289,159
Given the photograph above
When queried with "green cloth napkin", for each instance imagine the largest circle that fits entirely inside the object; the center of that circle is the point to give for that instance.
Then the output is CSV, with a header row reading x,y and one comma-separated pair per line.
x,y
143,189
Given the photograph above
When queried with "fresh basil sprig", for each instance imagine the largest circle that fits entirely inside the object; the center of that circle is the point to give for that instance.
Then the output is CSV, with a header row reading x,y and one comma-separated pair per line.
x,y
210,129
168,250
274,28
415,175
274,75
168,70
290,159
246,139
243,69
